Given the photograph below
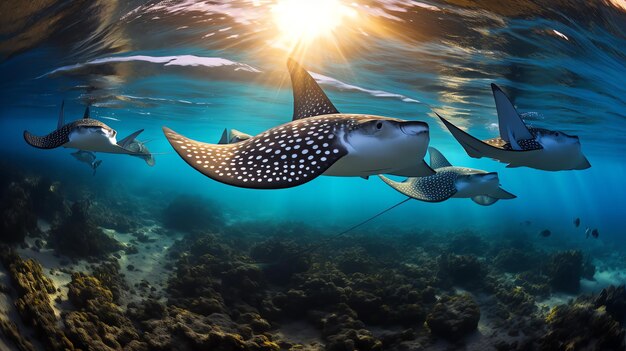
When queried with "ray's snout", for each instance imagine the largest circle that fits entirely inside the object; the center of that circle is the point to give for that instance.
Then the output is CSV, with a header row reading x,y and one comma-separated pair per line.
x,y
414,128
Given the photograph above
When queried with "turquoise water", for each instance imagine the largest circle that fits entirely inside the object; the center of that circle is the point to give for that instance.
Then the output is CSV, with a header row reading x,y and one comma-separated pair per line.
x,y
565,62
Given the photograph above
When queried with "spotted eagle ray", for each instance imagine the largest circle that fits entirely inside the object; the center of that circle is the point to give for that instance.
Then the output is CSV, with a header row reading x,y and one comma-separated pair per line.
x,y
318,141
85,134
521,146
449,181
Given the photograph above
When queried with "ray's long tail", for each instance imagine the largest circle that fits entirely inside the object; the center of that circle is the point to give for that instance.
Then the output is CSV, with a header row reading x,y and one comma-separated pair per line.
x,y
335,236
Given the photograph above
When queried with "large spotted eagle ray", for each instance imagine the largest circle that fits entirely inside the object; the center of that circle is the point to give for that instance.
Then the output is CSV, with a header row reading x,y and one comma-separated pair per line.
x,y
318,141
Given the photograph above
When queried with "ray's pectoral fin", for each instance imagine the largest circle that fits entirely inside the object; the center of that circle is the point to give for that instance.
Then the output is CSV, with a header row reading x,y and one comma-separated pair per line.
x,y
50,141
258,163
474,147
129,139
510,123
437,160
502,194
477,148
431,189
308,98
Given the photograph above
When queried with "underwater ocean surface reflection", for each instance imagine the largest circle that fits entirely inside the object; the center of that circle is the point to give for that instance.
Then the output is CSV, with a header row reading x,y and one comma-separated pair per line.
x,y
201,66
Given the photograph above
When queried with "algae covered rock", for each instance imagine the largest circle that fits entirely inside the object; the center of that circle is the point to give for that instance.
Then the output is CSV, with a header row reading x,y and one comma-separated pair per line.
x,y
343,331
514,260
464,270
12,333
186,331
565,270
280,260
582,327
99,324
454,317
33,301
614,301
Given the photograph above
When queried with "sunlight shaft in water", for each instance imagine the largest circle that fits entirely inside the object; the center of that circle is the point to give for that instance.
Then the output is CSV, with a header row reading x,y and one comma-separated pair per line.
x,y
299,22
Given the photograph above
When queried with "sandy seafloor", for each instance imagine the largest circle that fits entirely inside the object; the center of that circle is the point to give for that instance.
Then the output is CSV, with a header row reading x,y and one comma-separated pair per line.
x,y
177,272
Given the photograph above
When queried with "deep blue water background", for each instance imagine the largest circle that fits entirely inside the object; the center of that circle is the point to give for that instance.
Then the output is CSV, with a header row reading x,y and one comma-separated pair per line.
x,y
572,78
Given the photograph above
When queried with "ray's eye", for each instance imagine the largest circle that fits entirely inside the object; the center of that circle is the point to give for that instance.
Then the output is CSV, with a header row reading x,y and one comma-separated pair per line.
x,y
557,134
379,125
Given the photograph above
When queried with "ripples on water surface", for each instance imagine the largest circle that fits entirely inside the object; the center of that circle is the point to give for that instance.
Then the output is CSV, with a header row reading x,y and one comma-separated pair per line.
x,y
200,66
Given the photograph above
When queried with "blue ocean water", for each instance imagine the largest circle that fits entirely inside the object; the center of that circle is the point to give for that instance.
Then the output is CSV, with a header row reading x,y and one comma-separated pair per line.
x,y
200,67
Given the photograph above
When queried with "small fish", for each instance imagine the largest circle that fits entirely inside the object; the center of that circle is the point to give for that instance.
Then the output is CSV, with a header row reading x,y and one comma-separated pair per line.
x,y
545,233
595,233
577,222
587,232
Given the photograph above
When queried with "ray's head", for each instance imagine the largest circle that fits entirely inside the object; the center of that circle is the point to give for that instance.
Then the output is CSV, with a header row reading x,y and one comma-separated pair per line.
x,y
373,132
549,138
479,181
102,130
566,147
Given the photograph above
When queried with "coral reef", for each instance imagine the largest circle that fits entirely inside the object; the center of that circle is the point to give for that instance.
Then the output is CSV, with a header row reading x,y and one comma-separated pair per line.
x,y
33,301
515,261
183,330
99,323
614,301
580,326
280,260
464,270
454,317
565,271
467,243
78,237
10,331
47,200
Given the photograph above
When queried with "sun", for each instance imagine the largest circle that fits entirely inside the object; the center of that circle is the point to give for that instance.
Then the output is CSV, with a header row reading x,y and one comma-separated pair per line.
x,y
301,21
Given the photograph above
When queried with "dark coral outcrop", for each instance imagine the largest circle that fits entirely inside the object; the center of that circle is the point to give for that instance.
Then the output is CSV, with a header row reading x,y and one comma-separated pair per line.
x,y
464,270
454,317
581,326
78,237
17,217
613,298
565,271
98,323
33,301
